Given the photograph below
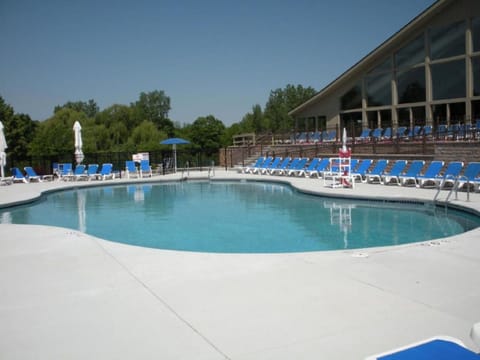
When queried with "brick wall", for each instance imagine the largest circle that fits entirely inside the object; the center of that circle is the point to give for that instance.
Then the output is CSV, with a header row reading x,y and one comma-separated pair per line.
x,y
446,151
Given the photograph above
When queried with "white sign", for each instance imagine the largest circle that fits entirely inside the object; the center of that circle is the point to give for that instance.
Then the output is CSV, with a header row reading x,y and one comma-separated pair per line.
x,y
140,156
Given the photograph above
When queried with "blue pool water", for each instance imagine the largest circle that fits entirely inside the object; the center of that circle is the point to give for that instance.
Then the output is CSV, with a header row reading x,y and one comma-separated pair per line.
x,y
237,217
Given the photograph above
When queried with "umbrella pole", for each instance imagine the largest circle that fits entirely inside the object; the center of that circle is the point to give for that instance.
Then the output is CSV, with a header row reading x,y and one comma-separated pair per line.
x,y
175,156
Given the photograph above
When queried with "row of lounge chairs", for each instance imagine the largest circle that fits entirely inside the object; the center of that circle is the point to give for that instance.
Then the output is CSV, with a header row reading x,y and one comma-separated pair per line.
x,y
66,172
314,136
402,172
402,132
132,171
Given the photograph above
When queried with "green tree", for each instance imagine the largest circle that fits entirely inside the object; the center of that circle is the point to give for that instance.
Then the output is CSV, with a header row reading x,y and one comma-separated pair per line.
x,y
145,137
118,114
54,136
89,108
281,101
207,133
154,106
19,130
20,133
254,121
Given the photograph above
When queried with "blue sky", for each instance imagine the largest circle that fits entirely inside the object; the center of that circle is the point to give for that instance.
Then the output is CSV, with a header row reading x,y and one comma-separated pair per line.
x,y
210,57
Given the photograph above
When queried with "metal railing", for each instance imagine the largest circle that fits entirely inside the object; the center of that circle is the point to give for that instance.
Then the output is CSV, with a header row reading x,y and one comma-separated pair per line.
x,y
453,189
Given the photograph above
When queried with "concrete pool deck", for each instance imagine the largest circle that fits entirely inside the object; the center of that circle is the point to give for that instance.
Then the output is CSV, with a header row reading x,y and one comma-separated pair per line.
x,y
67,295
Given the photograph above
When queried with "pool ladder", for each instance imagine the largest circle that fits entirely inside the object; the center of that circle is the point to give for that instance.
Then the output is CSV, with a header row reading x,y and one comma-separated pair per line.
x,y
454,188
211,170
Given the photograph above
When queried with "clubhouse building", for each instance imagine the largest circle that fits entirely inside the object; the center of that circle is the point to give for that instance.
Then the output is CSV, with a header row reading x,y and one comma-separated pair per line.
x,y
426,74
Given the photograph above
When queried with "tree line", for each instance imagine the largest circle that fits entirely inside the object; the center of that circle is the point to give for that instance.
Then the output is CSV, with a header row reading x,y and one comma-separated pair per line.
x,y
139,126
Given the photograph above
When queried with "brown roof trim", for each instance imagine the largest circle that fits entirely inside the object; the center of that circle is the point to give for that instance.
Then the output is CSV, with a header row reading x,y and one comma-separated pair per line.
x,y
410,26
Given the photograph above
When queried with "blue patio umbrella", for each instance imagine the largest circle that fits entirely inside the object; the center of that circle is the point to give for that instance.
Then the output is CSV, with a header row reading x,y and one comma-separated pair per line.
x,y
174,142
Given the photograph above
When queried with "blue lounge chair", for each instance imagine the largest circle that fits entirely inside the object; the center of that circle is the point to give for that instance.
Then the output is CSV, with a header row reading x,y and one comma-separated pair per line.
x,y
302,137
361,171
451,174
299,166
470,177
292,165
387,134
92,171
265,164
322,166
409,177
276,162
65,171
79,173
365,135
401,132
257,164
17,176
32,175
282,166
391,177
106,172
316,137
131,169
427,130
432,172
67,174
377,133
438,348
375,175
353,165
414,132
145,168
453,131
331,135
312,166
442,131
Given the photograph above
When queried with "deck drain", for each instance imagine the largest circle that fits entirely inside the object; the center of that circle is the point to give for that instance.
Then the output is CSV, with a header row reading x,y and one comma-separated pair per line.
x,y
360,255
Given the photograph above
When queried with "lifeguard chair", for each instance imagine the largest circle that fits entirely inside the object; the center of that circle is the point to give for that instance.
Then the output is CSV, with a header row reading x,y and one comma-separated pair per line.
x,y
341,174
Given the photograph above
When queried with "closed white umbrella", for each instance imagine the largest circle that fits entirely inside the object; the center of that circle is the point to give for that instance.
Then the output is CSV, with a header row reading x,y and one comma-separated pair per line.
x,y
77,130
344,140
3,155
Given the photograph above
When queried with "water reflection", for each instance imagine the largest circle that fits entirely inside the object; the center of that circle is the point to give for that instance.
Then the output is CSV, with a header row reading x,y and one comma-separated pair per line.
x,y
341,215
82,215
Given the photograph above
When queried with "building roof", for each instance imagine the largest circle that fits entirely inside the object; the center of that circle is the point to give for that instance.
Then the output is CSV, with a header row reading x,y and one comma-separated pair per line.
x,y
388,45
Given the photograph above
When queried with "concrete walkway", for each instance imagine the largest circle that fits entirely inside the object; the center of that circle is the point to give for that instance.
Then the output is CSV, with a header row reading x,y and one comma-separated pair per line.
x,y
68,295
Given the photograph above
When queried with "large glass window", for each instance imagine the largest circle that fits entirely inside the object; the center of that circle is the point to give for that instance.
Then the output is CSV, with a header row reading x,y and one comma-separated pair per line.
x,y
439,114
404,117
476,76
411,85
352,122
411,54
383,67
385,118
379,91
476,34
457,112
448,80
372,117
418,115
447,41
352,99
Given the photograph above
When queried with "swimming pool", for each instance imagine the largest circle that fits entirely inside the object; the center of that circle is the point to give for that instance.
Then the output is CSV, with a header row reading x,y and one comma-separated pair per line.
x,y
237,217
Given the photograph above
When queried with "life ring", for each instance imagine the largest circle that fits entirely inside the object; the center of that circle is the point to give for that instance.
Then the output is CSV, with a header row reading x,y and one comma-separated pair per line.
x,y
345,153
